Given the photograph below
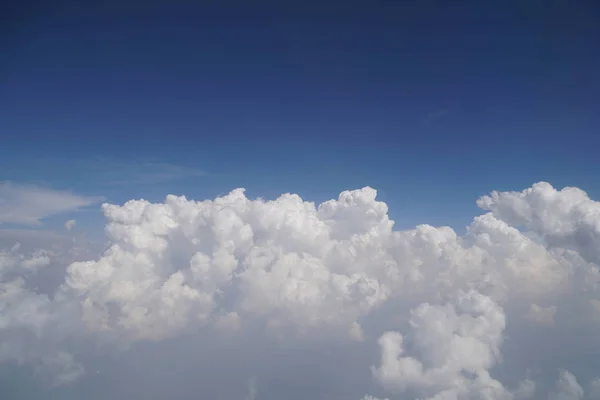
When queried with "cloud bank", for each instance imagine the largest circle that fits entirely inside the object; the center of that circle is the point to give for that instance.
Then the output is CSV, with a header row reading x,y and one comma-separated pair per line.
x,y
198,298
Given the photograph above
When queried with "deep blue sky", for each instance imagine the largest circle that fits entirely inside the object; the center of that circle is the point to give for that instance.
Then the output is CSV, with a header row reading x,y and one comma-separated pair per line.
x,y
431,102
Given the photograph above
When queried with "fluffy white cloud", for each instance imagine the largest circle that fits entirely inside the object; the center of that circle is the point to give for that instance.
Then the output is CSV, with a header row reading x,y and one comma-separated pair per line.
x,y
566,219
28,204
183,264
253,279
453,347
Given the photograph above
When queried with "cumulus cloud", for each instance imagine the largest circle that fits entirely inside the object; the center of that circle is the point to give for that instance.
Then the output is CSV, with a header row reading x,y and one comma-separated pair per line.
x,y
28,204
325,301
454,347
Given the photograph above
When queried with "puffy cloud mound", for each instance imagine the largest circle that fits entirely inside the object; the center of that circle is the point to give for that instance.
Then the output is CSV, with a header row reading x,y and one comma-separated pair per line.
x,y
490,315
454,346
184,264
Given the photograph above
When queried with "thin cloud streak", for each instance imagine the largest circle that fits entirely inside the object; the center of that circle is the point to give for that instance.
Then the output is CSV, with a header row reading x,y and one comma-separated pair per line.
x,y
115,172
28,204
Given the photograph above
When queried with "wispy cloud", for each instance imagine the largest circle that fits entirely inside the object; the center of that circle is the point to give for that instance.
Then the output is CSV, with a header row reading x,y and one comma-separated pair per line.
x,y
28,204
436,115
111,171
252,389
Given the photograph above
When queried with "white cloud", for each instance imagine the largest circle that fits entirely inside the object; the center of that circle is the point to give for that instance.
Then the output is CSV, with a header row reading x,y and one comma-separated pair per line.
x,y
279,289
29,204
567,387
70,224
453,348
26,316
562,219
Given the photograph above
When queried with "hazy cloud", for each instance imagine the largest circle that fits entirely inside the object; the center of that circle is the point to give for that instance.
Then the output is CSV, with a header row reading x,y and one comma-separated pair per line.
x,y
70,224
29,204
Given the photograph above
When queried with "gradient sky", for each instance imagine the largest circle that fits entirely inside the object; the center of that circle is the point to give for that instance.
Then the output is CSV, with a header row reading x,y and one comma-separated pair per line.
x,y
432,103
422,100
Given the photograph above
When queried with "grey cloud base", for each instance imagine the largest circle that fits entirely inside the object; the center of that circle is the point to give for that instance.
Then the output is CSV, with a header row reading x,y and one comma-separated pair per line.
x,y
285,299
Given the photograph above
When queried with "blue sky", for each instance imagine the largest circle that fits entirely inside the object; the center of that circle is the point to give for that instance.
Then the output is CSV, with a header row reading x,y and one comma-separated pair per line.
x,y
431,104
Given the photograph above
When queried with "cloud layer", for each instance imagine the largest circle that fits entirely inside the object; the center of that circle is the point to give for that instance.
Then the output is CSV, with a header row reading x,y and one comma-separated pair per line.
x,y
507,311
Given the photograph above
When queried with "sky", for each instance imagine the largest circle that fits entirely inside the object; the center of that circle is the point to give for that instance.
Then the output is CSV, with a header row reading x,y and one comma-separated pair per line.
x,y
419,218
